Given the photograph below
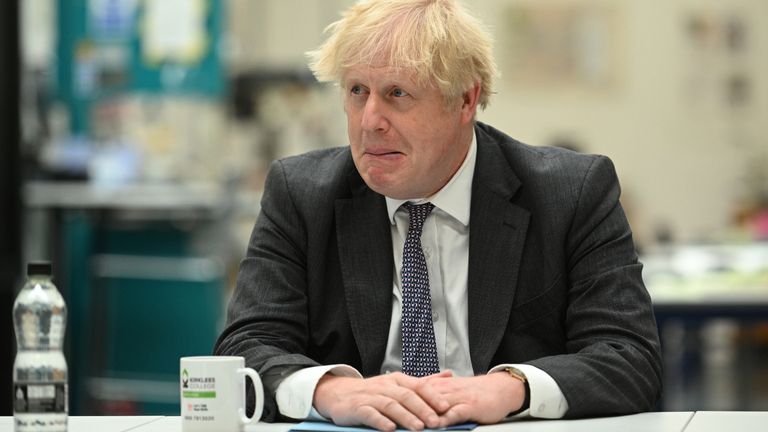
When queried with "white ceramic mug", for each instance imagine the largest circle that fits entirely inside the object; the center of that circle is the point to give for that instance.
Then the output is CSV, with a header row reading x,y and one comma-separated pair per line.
x,y
212,390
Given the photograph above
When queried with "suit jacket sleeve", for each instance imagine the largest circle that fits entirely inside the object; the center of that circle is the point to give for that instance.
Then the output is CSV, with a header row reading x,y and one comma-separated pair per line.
x,y
612,362
267,318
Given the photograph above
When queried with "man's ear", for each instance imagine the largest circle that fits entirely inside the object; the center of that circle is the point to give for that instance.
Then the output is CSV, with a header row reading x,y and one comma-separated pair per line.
x,y
469,101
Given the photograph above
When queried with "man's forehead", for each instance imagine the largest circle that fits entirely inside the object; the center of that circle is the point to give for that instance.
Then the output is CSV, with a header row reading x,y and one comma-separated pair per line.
x,y
376,72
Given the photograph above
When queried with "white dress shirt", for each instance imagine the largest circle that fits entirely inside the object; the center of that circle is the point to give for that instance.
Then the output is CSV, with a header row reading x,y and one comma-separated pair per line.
x,y
445,241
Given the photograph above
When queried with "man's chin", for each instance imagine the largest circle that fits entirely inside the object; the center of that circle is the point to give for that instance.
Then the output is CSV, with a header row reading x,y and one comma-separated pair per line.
x,y
387,187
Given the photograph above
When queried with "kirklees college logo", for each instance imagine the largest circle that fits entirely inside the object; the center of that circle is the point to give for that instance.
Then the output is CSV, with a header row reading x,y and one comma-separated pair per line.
x,y
196,386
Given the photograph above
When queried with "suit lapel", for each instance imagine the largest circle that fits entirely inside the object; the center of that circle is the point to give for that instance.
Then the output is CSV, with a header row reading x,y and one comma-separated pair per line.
x,y
365,253
497,235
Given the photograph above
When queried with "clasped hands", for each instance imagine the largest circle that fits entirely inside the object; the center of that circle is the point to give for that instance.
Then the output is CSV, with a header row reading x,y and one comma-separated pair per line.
x,y
387,401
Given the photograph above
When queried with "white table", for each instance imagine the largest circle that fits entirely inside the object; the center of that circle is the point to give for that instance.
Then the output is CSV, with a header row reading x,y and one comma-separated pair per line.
x,y
646,422
94,423
701,421
173,424
723,421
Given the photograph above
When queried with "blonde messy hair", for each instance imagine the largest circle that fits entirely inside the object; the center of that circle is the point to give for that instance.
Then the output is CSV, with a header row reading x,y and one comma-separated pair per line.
x,y
436,39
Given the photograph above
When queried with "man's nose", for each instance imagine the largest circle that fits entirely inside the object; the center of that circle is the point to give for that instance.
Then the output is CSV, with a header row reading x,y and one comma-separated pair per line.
x,y
374,118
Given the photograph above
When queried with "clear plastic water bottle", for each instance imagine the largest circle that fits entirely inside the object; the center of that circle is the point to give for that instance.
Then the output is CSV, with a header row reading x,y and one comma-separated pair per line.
x,y
40,370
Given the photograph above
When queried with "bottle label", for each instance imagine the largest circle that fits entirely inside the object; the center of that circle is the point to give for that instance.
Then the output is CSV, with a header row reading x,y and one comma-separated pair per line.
x,y
56,332
40,398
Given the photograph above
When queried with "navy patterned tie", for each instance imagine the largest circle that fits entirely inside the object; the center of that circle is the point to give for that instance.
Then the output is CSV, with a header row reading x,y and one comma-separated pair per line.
x,y
419,348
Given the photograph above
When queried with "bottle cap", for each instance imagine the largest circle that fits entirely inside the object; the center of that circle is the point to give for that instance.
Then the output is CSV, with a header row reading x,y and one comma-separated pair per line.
x,y
39,268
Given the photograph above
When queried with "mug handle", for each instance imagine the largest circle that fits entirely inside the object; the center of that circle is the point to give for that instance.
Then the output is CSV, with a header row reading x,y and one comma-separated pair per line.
x,y
259,389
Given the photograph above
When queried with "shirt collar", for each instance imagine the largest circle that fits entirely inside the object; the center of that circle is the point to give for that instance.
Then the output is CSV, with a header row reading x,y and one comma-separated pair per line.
x,y
454,197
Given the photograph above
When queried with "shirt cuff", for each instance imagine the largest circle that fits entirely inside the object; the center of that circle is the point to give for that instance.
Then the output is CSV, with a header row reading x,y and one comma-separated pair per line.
x,y
295,394
547,400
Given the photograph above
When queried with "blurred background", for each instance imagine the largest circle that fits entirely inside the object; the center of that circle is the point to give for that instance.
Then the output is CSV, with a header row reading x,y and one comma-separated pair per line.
x,y
136,135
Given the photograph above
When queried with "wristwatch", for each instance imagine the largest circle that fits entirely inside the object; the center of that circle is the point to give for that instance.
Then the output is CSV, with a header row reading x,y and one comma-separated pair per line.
x,y
517,374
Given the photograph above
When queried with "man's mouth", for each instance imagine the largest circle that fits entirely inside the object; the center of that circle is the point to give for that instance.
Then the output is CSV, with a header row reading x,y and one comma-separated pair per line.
x,y
385,155
383,152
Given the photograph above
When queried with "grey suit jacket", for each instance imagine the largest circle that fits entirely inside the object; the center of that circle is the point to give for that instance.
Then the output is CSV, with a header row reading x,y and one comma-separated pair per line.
x,y
554,279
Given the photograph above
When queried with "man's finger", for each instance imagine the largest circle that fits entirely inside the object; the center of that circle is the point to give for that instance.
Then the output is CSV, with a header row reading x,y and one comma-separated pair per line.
x,y
395,411
414,403
371,417
459,413
424,388
402,379
433,396
442,374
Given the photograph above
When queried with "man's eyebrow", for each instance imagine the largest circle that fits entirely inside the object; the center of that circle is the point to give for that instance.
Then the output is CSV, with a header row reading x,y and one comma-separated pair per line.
x,y
351,78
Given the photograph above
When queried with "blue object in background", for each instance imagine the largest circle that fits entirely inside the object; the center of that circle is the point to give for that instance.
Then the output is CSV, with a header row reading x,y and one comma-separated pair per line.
x,y
99,56
140,299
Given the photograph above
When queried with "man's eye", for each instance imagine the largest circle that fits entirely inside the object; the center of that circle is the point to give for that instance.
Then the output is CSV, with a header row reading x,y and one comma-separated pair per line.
x,y
356,90
399,92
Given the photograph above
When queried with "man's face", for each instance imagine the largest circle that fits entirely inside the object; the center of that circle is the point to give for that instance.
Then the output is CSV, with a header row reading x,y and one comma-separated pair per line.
x,y
406,142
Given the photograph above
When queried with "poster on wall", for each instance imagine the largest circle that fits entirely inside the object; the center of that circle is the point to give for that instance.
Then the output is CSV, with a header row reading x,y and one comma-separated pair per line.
x,y
561,45
174,30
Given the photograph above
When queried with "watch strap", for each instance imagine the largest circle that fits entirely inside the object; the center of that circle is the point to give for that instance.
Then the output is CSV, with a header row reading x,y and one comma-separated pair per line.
x,y
519,375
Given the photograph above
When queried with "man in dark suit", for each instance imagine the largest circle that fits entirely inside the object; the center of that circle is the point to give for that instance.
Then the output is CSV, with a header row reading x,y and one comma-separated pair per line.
x,y
519,258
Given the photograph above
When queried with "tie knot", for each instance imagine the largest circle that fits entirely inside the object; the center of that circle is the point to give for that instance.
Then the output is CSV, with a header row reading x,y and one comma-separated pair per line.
x,y
418,212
